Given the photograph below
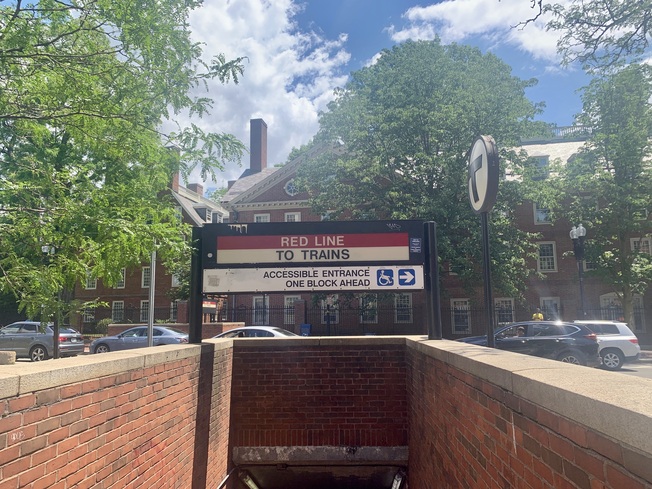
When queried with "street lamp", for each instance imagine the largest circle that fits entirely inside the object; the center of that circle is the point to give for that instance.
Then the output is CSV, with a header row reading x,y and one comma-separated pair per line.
x,y
577,234
48,251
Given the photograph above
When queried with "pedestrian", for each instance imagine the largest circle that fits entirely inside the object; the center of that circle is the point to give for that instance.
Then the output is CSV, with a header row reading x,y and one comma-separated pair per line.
x,y
538,315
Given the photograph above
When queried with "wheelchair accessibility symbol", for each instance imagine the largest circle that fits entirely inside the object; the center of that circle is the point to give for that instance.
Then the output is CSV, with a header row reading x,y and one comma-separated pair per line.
x,y
385,278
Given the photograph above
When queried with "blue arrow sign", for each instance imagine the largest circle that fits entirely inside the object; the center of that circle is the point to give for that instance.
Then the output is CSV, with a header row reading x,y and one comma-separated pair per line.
x,y
406,276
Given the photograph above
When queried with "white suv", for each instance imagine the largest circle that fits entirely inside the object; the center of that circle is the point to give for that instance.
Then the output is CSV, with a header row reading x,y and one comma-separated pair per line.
x,y
617,342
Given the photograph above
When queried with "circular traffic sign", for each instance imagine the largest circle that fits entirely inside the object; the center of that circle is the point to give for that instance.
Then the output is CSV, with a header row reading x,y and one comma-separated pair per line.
x,y
483,174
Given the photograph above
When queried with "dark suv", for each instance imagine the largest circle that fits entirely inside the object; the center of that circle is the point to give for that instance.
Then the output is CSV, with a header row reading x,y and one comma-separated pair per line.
x,y
566,342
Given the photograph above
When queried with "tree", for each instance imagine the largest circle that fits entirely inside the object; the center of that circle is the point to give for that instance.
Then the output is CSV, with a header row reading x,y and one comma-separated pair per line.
x,y
83,164
602,34
610,181
406,124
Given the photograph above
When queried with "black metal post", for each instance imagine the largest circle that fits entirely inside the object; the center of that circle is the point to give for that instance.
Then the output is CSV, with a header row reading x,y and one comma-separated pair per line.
x,y
488,297
328,318
578,249
433,303
195,299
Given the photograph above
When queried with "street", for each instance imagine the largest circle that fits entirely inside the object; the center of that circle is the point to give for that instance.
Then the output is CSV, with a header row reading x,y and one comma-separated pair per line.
x,y
638,369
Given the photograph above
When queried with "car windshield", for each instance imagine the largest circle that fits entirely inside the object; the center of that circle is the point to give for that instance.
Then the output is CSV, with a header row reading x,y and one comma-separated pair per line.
x,y
176,331
283,332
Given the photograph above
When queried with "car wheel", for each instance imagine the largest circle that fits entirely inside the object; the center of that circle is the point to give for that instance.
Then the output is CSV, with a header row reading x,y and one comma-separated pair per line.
x,y
38,353
102,348
572,356
612,359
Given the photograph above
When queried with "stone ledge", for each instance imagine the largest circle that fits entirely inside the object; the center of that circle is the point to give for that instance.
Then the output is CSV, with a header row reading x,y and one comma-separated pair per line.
x,y
7,357
25,377
610,403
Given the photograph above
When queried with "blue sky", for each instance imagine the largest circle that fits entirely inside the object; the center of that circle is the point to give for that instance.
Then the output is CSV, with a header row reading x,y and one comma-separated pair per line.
x,y
298,52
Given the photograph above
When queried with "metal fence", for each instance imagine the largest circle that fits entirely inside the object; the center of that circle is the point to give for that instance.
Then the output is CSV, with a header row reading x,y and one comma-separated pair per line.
x,y
381,320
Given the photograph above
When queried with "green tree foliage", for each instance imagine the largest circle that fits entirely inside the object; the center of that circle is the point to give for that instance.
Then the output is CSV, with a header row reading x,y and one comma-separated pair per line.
x,y
405,126
84,89
610,181
602,33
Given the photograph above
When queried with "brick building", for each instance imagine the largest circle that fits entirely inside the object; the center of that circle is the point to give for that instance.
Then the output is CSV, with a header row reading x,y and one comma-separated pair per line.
x,y
264,194
268,194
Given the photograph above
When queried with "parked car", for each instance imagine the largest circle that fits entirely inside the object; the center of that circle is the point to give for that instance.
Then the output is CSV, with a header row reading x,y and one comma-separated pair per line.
x,y
618,344
137,338
35,340
256,332
566,342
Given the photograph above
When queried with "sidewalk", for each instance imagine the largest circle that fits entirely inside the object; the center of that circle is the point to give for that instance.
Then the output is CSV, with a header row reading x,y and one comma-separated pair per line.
x,y
646,355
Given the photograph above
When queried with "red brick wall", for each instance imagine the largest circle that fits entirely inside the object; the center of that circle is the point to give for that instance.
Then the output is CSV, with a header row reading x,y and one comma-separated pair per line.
x,y
335,395
465,432
136,428
172,416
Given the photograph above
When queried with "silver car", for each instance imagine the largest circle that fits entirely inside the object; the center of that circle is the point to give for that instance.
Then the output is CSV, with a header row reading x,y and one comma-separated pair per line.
x,y
35,340
137,338
256,332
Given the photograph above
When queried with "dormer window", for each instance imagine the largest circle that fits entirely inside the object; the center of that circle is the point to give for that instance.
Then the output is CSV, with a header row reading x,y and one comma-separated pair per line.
x,y
291,188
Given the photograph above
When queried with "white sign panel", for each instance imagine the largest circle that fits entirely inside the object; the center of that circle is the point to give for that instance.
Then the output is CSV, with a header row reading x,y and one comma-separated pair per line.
x,y
232,280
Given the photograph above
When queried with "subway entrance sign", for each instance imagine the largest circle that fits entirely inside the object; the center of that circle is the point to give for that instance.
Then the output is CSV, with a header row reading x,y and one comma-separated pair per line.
x,y
313,256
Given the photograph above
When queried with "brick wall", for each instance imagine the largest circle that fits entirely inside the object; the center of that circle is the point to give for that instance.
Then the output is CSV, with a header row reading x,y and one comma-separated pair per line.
x,y
467,432
173,416
334,395
134,426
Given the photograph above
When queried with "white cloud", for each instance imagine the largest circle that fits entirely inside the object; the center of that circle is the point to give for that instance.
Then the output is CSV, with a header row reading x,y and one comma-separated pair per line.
x,y
494,22
289,76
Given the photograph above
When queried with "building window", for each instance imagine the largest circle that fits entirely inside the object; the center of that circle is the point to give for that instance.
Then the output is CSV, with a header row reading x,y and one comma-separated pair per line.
x,y
174,306
369,308
291,188
461,316
261,218
403,308
547,261
88,315
550,307
541,214
144,311
121,281
91,282
260,315
118,311
146,277
176,282
288,315
641,245
292,217
541,167
330,310
504,308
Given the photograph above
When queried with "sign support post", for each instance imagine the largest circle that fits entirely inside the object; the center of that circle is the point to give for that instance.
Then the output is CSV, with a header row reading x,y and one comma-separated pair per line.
x,y
483,189
433,305
195,313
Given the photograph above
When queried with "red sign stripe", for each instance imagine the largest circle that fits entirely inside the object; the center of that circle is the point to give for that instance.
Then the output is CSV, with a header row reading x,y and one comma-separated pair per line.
x,y
312,241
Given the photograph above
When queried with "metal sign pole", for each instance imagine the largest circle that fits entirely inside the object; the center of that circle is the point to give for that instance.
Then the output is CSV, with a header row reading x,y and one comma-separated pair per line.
x,y
195,299
486,265
433,304
483,190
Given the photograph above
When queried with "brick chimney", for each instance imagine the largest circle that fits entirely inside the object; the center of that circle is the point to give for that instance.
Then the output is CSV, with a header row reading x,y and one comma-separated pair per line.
x,y
257,145
198,188
174,184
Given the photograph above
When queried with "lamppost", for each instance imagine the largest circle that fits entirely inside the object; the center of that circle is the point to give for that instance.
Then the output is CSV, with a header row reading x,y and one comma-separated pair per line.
x,y
577,234
48,251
